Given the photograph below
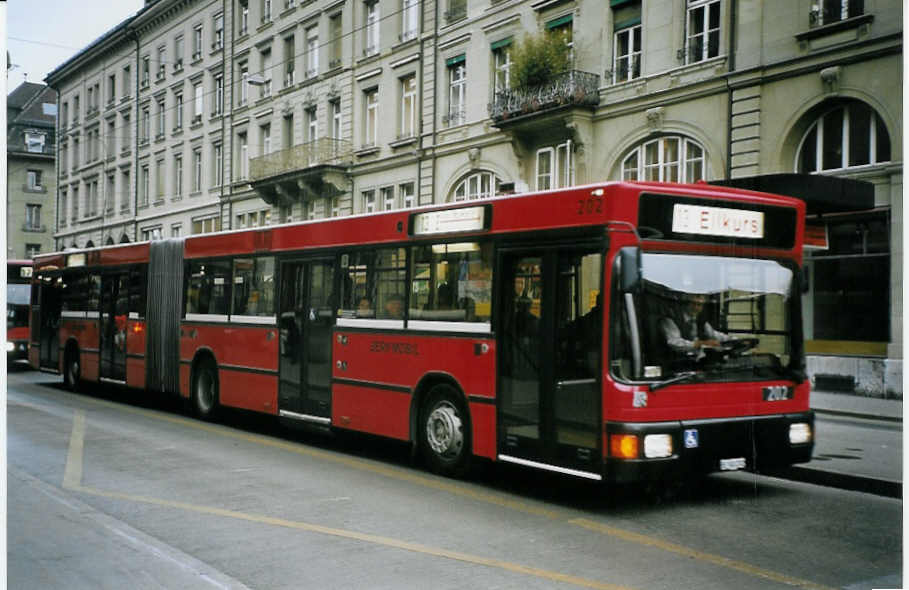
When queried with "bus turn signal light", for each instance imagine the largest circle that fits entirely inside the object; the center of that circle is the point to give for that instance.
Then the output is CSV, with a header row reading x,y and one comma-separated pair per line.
x,y
623,446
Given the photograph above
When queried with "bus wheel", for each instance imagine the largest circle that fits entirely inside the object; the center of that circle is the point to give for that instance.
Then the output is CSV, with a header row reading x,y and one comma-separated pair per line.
x,y
72,372
444,433
205,390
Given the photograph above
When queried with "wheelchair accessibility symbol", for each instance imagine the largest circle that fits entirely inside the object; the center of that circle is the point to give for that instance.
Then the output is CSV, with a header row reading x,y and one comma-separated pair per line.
x,y
691,438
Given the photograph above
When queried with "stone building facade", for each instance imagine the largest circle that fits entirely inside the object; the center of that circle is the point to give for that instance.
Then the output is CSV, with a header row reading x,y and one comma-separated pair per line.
x,y
30,176
215,115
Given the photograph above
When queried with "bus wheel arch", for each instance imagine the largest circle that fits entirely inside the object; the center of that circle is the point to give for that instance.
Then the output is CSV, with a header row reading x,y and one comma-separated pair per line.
x,y
441,425
72,366
204,385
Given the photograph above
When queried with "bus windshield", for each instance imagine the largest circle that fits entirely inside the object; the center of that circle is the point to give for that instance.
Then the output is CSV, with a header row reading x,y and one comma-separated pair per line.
x,y
724,318
17,299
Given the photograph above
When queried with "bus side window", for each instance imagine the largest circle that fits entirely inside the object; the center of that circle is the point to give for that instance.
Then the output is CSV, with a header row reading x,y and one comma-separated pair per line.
x,y
254,286
137,288
390,273
357,285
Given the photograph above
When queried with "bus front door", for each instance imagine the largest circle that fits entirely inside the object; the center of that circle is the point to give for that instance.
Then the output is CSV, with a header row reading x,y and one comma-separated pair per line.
x,y
306,318
113,316
549,342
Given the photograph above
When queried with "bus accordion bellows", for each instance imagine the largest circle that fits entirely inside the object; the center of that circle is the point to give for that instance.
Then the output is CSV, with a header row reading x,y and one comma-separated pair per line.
x,y
624,331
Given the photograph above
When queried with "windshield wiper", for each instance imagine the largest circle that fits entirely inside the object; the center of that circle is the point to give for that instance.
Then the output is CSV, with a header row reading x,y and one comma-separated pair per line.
x,y
679,378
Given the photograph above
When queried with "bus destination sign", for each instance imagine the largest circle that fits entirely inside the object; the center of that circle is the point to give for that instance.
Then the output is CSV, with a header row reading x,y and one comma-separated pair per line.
x,y
449,221
717,221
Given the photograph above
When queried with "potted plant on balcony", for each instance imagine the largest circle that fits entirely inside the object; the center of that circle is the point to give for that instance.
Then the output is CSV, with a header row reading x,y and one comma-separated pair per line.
x,y
536,60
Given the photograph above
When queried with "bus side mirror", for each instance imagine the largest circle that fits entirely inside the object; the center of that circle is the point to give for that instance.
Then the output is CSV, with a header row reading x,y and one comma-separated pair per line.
x,y
630,269
806,280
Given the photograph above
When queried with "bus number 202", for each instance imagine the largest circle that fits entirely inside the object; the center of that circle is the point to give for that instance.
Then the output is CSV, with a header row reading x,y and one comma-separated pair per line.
x,y
590,205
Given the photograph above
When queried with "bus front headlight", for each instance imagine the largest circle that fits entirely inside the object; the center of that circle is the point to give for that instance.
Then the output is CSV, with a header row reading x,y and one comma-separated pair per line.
x,y
10,346
657,446
799,433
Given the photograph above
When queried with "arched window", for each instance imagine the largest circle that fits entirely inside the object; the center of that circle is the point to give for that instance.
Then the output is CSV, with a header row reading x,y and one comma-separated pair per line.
x,y
110,241
89,244
124,239
478,184
672,158
846,134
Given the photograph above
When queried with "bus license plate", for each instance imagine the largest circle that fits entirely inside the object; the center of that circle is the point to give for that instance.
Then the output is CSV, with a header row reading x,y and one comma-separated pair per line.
x,y
732,464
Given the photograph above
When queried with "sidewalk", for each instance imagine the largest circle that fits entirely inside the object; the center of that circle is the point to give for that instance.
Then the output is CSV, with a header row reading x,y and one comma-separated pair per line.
x,y
858,444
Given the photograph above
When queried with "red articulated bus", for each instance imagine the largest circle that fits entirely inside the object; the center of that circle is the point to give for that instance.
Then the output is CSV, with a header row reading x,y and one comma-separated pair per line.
x,y
619,331
18,287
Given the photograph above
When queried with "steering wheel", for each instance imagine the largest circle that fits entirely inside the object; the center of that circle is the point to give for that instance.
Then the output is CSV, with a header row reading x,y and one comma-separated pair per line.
x,y
738,345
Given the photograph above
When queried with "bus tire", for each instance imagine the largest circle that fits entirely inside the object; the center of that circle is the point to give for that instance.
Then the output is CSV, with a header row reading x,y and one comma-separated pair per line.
x,y
205,389
72,370
445,431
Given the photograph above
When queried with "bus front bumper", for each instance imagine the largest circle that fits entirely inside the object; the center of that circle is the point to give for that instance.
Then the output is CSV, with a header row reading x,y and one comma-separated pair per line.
x,y
679,449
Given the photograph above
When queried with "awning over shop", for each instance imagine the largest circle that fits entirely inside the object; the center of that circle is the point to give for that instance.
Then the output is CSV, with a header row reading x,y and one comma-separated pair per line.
x,y
822,194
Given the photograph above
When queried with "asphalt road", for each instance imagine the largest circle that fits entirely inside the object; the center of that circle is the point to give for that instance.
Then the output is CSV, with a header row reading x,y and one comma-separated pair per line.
x,y
106,490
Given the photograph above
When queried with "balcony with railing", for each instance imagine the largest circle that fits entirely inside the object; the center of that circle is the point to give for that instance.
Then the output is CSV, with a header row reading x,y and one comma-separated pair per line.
x,y
310,170
570,89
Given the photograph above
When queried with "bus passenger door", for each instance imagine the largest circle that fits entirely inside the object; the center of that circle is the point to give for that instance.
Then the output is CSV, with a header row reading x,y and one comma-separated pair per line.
x,y
50,301
113,316
549,335
306,319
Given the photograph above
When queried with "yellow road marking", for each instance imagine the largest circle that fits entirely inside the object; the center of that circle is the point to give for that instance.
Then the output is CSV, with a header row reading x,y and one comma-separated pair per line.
x,y
695,554
360,464
72,475
72,480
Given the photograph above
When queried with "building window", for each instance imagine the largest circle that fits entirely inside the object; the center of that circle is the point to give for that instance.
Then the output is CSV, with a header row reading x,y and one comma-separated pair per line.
x,y
409,19
265,139
162,63
159,180
407,194
218,97
501,58
243,90
457,90
146,124
33,180
197,103
75,204
144,186
626,63
703,30
824,12
242,157
151,234
554,167
217,169
197,170
337,38
371,129
312,124
34,142
32,250
146,65
335,206
124,191
127,82
287,131
33,217
666,159
178,111
336,119
408,106
162,114
372,29
387,194
476,185
178,52
369,201
110,193
176,230
312,52
218,42
265,87
290,74
63,207
847,134
243,21
197,42
178,175
266,11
